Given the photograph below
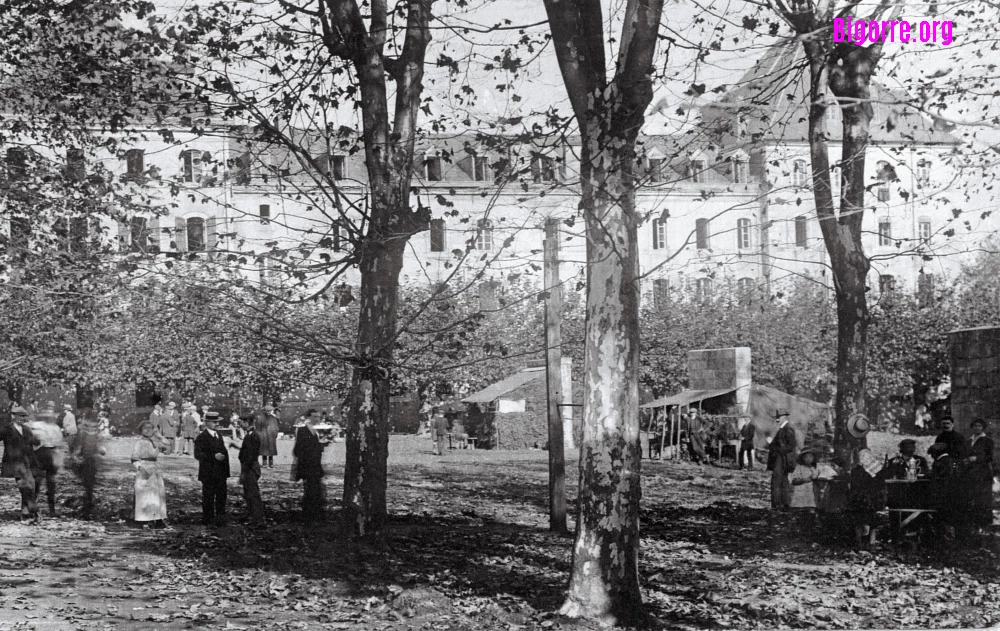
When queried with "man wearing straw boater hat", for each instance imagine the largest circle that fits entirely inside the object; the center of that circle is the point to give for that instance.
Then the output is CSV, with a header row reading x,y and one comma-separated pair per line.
x,y
781,461
213,470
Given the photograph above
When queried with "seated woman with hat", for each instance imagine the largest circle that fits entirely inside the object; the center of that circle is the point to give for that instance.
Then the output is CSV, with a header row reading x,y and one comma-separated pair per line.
x,y
867,483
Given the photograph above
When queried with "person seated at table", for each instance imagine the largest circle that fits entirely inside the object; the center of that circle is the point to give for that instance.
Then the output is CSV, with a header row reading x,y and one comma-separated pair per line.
x,y
865,497
947,487
907,465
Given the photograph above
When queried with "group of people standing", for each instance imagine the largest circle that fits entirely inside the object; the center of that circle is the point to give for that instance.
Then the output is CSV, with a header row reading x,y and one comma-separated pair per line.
x,y
36,446
962,475
256,440
178,430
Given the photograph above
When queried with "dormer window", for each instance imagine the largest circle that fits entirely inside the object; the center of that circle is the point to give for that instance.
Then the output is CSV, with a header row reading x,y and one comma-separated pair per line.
x,y
481,169
543,169
432,169
696,171
338,167
741,171
655,169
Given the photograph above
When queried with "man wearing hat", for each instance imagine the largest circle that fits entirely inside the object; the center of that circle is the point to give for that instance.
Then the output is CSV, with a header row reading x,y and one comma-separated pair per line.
x,y
907,465
48,454
190,424
156,420
169,423
69,428
19,459
213,471
781,461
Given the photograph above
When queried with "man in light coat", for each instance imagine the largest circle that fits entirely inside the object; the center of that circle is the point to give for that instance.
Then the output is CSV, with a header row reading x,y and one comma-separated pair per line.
x,y
69,428
48,455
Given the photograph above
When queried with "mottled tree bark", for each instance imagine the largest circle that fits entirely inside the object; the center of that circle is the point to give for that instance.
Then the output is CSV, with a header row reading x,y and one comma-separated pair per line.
x,y
847,71
365,467
605,578
389,145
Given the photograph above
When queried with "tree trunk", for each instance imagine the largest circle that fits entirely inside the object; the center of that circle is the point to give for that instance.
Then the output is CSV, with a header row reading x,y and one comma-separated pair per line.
x,y
365,467
389,150
847,70
605,581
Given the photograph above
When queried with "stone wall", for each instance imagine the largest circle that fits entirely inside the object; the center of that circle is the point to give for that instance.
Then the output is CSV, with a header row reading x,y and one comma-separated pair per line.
x,y
718,368
975,379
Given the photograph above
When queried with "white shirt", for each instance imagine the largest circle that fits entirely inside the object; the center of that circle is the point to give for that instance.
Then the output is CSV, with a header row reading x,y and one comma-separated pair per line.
x,y
69,424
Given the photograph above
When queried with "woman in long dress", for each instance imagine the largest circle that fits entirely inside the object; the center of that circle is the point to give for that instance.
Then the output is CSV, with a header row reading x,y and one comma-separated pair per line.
x,y
150,495
978,476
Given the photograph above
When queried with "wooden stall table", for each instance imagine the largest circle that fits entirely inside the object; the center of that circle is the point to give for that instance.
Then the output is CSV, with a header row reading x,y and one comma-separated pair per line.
x,y
910,503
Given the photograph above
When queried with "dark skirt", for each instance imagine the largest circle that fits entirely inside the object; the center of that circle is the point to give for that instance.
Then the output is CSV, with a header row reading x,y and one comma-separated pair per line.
x,y
980,502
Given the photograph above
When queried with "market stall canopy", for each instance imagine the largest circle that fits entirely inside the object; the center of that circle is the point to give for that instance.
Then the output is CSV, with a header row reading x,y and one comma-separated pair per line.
x,y
685,397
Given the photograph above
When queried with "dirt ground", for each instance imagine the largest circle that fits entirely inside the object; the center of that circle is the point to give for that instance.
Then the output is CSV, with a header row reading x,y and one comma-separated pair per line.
x,y
467,548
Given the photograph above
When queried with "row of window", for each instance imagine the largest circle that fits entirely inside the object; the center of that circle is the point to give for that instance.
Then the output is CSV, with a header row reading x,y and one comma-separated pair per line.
x,y
199,167
744,234
885,173
193,231
704,289
439,235
925,289
697,170
191,234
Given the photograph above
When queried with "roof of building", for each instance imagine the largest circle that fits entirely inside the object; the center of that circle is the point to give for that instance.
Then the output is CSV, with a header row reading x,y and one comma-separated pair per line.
x,y
685,397
495,391
773,98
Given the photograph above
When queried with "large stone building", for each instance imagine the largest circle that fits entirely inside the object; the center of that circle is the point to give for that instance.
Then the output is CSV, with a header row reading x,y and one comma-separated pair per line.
x,y
725,209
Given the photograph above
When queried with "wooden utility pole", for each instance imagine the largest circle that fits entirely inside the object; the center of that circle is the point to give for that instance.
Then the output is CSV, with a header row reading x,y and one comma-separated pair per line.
x,y
553,378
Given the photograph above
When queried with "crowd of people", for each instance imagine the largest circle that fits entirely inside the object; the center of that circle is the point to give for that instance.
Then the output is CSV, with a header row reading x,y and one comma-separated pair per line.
x,y
960,479
39,444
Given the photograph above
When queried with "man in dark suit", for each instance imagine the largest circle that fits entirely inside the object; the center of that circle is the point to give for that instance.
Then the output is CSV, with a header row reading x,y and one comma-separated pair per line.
x,y
308,452
19,459
213,471
951,438
781,461
250,471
